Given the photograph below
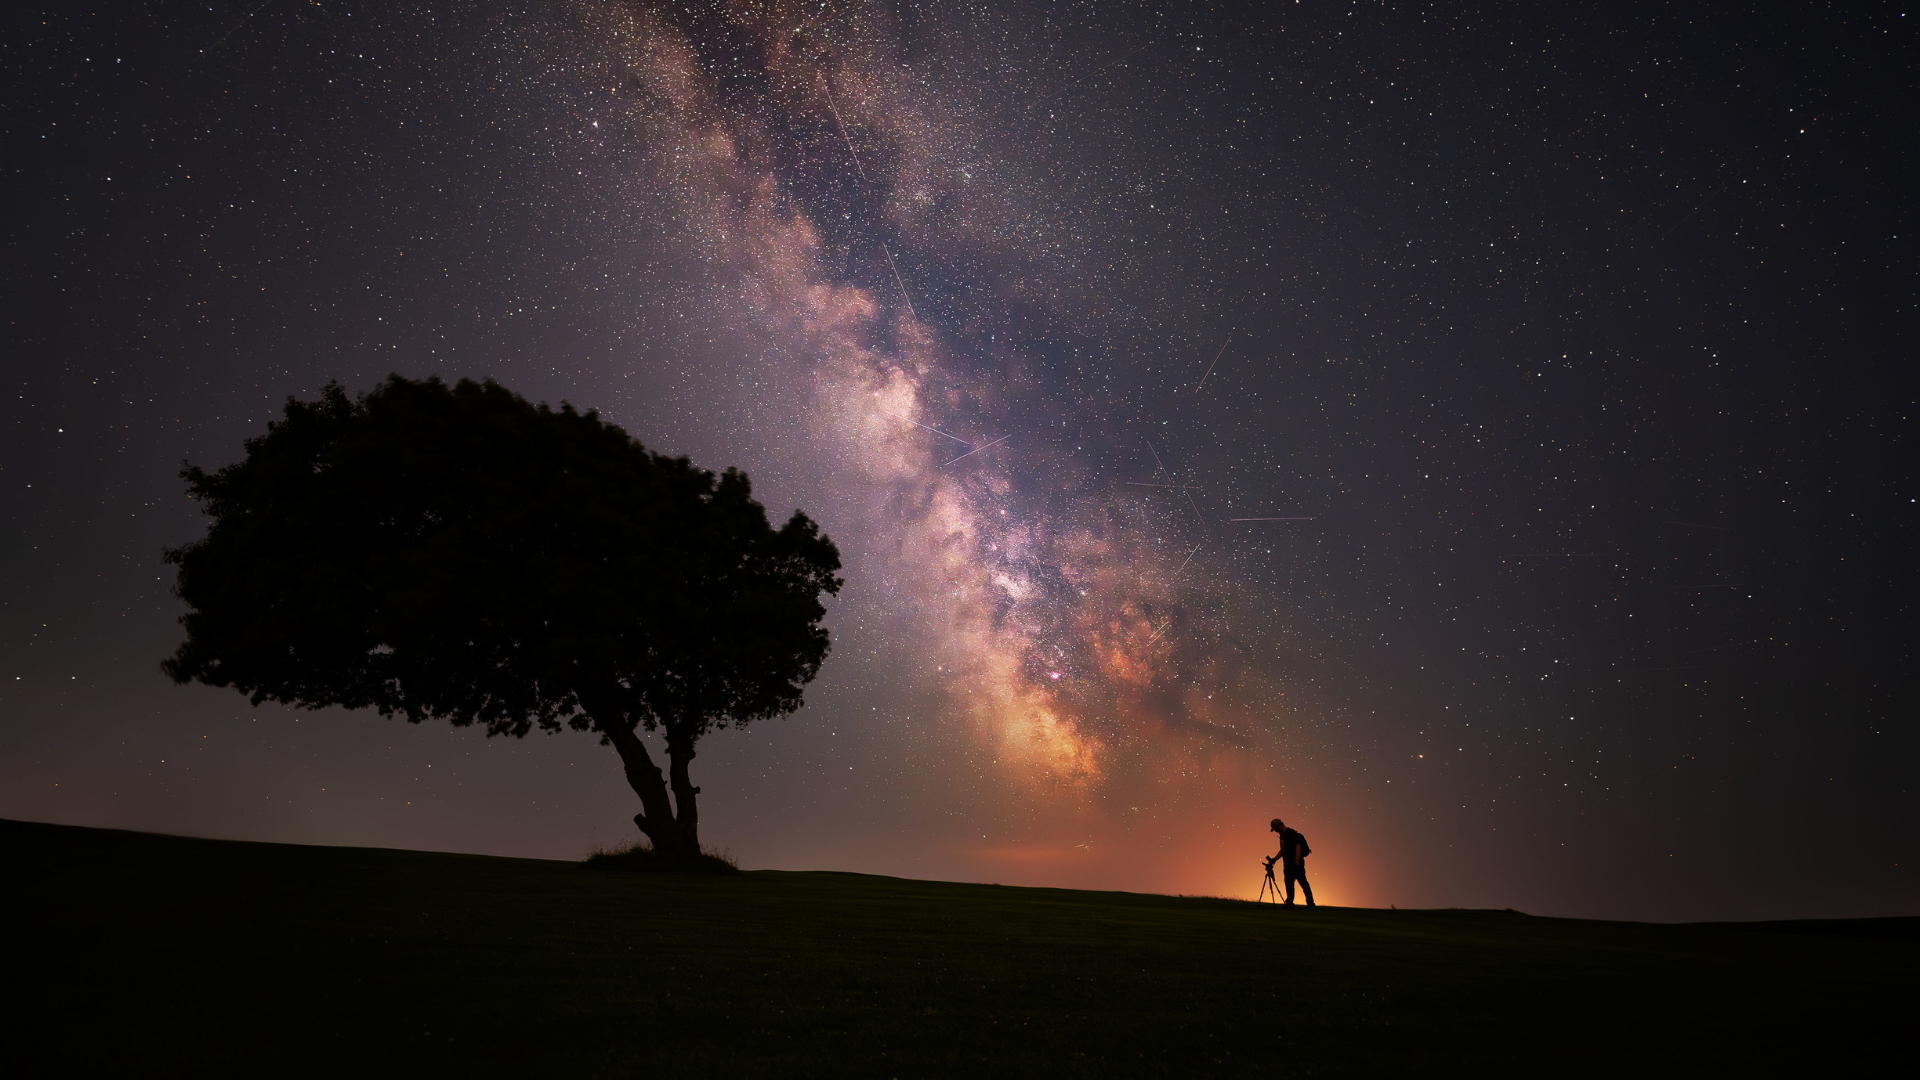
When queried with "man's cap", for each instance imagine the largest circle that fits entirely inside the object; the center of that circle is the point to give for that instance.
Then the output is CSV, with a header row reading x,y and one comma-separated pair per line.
x,y
1275,827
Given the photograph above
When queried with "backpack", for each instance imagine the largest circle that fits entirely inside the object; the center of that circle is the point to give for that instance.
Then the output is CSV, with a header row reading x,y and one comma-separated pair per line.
x,y
1302,842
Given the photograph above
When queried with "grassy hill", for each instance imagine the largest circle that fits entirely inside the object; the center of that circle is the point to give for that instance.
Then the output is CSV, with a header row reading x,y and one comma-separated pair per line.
x,y
148,955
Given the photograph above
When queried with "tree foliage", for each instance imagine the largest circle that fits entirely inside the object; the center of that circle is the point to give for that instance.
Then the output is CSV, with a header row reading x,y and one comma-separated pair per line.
x,y
459,553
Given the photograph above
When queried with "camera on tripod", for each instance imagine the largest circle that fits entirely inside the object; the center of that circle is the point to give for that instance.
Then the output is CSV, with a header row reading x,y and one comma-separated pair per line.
x,y
1269,887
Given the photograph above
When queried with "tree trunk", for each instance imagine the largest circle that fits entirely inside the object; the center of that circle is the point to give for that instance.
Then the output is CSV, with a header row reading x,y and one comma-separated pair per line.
x,y
656,818
685,795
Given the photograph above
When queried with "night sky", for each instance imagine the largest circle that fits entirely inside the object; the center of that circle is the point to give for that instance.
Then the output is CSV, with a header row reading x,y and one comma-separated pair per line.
x,y
1480,436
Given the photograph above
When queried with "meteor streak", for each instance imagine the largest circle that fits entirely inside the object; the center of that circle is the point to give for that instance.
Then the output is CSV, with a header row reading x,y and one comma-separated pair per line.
x,y
935,430
1184,562
1172,483
865,186
1157,461
895,267
1216,360
236,26
977,449
842,125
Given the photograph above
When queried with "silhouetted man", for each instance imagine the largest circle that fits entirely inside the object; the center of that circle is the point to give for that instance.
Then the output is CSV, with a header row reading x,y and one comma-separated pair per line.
x,y
1293,859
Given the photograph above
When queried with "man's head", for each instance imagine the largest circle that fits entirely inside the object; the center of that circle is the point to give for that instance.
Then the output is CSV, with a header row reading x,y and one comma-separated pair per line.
x,y
1276,826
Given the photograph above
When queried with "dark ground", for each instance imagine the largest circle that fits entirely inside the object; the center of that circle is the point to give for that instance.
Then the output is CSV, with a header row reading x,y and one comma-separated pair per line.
x,y
143,955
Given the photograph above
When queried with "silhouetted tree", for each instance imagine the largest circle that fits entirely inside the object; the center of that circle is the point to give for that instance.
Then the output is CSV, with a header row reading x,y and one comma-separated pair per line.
x,y
460,553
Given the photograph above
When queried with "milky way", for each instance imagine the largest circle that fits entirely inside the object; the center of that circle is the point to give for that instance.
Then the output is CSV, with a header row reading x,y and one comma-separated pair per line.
x,y
1043,589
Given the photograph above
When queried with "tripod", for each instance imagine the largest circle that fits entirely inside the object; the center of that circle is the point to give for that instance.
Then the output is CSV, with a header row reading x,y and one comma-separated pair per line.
x,y
1269,886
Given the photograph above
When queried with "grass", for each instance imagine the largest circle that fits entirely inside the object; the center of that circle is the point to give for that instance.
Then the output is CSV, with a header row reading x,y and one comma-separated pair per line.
x,y
148,955
639,858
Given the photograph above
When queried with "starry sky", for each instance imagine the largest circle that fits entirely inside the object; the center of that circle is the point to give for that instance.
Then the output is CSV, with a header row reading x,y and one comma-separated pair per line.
x,y
1478,435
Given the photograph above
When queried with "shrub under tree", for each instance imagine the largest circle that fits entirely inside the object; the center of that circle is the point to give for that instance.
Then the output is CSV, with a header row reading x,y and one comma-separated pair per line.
x,y
462,554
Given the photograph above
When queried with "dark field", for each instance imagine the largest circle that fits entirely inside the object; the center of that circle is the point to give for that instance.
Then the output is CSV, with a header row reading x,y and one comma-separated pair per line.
x,y
140,955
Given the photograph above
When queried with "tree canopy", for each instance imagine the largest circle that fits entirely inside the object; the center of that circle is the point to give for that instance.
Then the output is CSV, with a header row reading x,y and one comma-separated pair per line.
x,y
462,554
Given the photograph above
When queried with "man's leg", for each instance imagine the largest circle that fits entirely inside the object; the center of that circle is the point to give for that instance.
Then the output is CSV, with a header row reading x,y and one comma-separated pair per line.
x,y
1301,874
